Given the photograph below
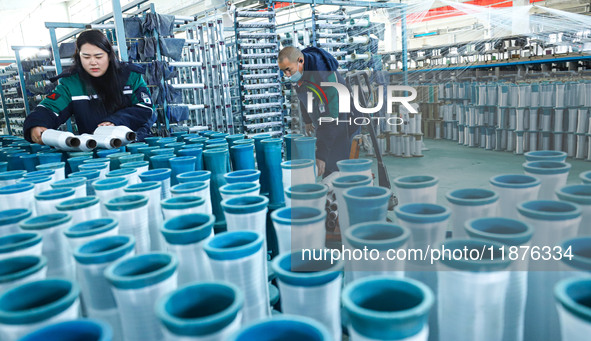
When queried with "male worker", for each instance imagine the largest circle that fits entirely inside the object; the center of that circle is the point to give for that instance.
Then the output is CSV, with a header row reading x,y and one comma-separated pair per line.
x,y
308,68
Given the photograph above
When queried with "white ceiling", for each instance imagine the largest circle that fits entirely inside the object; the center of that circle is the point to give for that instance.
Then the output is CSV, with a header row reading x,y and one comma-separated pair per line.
x,y
23,5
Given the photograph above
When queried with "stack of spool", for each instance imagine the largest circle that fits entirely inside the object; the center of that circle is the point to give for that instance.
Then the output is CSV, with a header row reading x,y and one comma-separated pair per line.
x,y
512,117
404,140
332,216
13,106
430,105
332,34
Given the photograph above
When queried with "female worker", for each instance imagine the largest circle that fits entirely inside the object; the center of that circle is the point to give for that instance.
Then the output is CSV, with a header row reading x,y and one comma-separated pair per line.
x,y
98,90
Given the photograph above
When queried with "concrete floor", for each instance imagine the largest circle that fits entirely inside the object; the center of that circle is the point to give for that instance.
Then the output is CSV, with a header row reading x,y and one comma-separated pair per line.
x,y
461,167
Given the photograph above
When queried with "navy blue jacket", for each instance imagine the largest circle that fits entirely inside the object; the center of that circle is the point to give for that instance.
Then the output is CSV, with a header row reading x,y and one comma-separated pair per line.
x,y
333,142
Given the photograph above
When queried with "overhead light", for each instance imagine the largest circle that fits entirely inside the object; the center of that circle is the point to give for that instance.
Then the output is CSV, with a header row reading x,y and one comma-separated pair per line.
x,y
27,52
44,53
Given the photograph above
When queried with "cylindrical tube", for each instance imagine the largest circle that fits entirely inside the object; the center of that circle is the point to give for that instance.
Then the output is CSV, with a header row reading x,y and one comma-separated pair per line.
x,y
132,213
552,174
161,175
90,176
129,173
92,258
109,188
313,290
9,220
89,230
246,213
553,222
37,304
185,236
201,311
138,282
18,270
17,196
19,244
378,236
472,295
123,133
41,183
78,184
515,233
470,203
55,246
366,203
58,167
87,143
514,189
216,161
310,195
299,228
296,172
375,312
11,177
340,184
81,209
180,165
246,268
151,189
106,142
60,139
239,189
88,330
196,188
247,175
186,204
355,166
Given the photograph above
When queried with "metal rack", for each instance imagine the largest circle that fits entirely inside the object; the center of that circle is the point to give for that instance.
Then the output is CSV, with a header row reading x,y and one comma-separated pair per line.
x,y
9,93
340,33
262,106
506,51
33,77
203,72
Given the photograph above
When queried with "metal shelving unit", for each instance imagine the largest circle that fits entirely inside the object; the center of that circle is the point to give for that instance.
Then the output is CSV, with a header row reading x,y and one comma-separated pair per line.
x,y
261,100
9,93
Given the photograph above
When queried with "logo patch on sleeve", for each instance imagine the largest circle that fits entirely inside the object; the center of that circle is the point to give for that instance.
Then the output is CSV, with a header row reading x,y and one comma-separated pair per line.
x,y
53,96
145,98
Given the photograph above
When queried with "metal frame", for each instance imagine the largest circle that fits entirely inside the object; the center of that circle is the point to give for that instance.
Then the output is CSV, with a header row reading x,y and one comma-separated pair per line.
x,y
104,18
4,109
493,65
21,73
56,52
158,57
120,30
369,4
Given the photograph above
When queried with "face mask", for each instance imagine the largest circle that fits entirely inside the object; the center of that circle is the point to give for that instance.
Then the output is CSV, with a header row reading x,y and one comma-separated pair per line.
x,y
296,77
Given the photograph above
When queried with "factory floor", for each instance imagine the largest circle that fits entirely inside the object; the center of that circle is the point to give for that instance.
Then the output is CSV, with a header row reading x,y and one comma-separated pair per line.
x,y
461,167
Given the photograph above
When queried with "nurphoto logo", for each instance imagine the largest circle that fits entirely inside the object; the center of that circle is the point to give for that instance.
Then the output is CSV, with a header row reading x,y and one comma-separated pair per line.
x,y
344,98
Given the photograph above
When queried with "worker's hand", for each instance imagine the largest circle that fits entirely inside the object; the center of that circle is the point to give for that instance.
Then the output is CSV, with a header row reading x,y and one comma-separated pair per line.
x,y
309,129
36,134
105,124
321,165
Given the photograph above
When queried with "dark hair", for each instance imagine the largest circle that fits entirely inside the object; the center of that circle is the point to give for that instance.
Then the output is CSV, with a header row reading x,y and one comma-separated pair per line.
x,y
107,86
